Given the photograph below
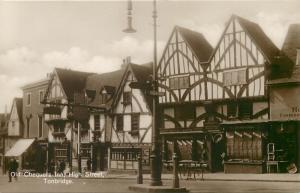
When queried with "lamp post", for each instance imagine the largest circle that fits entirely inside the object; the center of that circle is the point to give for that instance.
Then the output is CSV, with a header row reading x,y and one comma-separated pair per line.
x,y
155,151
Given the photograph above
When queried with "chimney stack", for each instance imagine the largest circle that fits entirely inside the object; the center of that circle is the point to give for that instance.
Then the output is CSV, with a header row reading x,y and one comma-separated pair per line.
x,y
126,61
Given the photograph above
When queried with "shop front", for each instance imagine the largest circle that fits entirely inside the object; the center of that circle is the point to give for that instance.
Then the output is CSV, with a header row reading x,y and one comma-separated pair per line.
x,y
245,146
194,147
285,124
125,156
29,155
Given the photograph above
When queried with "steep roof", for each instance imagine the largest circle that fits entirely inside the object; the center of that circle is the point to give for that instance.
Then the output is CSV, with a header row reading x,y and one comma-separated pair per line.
x,y
142,74
109,80
72,81
292,42
279,66
197,42
260,38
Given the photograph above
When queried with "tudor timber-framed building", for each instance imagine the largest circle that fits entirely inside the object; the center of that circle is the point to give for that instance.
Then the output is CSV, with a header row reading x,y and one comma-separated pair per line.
x,y
217,100
115,120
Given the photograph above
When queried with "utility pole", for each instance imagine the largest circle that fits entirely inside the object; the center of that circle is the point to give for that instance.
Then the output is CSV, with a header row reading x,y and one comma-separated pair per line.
x,y
155,150
78,145
155,153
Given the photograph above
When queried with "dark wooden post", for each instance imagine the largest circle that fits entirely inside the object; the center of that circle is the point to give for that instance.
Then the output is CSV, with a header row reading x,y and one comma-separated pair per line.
x,y
140,171
175,171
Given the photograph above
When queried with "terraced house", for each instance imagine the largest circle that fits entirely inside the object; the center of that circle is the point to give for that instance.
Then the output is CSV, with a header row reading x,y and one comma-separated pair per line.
x,y
86,108
216,108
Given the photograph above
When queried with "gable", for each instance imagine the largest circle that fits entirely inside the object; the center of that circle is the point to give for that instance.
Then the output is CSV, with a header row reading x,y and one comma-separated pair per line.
x,y
14,112
236,48
184,53
139,101
55,90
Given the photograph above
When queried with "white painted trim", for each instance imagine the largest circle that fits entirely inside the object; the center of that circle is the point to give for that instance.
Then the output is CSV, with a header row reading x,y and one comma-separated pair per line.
x,y
26,99
44,92
38,122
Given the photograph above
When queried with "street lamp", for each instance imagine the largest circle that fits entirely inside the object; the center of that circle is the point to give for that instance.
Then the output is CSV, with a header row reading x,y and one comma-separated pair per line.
x,y
155,151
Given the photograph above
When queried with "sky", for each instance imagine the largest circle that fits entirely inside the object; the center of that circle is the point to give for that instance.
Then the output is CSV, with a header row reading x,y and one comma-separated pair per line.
x,y
36,36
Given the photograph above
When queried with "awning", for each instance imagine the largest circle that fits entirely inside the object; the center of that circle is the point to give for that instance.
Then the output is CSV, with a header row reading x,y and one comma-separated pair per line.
x,y
19,147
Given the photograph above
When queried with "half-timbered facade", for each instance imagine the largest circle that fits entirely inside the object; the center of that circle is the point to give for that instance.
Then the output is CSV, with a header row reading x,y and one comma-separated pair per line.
x,y
182,75
131,120
100,90
66,87
211,90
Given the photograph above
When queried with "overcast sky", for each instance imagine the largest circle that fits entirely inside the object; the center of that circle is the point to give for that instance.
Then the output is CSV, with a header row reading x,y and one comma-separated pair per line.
x,y
37,36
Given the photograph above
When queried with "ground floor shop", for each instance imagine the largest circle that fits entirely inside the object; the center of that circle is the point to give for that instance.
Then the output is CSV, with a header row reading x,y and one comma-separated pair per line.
x,y
245,143
93,156
30,155
195,146
125,156
265,147
284,143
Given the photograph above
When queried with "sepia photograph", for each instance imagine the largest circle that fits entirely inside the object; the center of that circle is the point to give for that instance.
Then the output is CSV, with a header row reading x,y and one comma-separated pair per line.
x,y
160,96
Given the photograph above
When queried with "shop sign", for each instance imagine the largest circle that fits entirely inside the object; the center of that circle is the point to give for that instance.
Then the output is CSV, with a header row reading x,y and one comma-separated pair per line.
x,y
285,103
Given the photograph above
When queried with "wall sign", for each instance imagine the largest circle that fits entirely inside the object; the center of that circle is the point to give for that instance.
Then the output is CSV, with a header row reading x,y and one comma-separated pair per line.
x,y
285,103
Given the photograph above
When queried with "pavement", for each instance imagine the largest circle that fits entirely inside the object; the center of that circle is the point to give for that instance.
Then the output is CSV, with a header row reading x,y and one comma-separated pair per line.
x,y
121,185
272,177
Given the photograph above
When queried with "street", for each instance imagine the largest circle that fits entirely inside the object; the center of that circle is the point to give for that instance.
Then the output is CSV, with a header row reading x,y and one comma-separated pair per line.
x,y
121,185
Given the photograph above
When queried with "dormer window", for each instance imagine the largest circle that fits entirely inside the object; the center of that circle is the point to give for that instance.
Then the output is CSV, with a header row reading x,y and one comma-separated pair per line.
x,y
106,93
90,95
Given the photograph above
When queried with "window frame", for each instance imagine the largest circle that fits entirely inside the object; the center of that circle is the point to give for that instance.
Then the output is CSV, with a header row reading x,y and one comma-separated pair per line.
x,y
182,82
127,97
40,123
41,99
28,99
119,122
241,110
188,108
133,126
97,125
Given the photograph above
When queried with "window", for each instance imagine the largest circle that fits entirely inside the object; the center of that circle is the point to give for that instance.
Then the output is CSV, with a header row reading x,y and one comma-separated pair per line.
x,y
97,122
40,124
179,82
120,122
41,96
104,98
237,77
186,112
85,150
28,126
13,123
126,98
231,110
135,122
245,110
244,145
28,102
